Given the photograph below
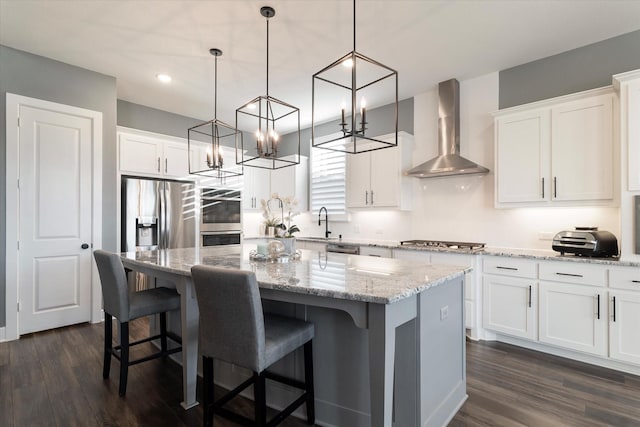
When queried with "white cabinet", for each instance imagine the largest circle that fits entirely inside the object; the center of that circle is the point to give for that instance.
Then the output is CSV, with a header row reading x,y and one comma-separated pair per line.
x,y
630,111
312,246
573,306
510,297
522,153
375,178
146,154
624,319
556,151
289,181
256,187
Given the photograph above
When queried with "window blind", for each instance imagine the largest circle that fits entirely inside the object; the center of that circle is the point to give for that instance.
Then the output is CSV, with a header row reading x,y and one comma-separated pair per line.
x,y
328,181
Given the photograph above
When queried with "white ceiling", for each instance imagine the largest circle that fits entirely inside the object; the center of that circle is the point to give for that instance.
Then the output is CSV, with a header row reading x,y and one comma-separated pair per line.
x,y
426,41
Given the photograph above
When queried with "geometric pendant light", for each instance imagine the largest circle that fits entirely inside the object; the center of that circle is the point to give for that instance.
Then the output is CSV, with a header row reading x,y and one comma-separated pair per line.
x,y
271,127
212,136
341,93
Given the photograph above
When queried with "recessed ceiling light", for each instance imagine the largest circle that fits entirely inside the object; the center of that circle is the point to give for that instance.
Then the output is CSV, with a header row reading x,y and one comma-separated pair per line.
x,y
164,78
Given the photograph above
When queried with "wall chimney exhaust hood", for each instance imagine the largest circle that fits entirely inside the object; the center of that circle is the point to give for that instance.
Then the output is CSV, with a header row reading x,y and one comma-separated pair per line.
x,y
449,162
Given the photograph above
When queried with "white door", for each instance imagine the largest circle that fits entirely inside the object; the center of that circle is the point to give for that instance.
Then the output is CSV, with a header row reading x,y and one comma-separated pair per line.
x,y
624,340
385,177
55,219
509,305
574,317
358,180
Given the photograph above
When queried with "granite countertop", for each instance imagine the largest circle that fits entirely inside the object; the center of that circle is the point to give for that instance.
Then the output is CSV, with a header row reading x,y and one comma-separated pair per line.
x,y
341,276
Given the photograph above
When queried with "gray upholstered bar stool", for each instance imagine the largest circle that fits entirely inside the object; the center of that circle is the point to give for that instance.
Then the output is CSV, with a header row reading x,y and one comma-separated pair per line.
x,y
125,306
234,329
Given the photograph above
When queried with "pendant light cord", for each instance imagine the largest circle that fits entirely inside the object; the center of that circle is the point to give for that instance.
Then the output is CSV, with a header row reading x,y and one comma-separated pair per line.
x,y
354,25
267,57
215,90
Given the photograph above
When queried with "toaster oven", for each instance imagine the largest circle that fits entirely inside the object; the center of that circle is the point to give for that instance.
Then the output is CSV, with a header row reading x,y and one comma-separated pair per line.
x,y
586,241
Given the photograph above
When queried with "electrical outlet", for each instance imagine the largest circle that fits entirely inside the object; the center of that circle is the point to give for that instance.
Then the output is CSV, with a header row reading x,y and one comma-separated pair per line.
x,y
444,312
546,235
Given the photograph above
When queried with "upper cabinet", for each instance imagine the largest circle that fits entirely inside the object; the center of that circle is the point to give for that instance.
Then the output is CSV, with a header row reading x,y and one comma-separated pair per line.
x,y
376,179
628,85
558,151
152,155
288,181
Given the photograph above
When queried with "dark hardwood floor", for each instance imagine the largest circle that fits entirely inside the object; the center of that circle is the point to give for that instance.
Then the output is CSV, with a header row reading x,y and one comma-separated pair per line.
x,y
54,378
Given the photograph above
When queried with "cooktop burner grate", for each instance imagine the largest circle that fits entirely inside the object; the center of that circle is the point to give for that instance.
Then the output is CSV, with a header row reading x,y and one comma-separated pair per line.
x,y
466,246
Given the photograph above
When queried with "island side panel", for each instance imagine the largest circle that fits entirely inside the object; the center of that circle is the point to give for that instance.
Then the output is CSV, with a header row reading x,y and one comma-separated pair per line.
x,y
443,352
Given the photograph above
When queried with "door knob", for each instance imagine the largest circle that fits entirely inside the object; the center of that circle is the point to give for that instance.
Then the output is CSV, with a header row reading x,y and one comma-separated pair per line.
x,y
85,246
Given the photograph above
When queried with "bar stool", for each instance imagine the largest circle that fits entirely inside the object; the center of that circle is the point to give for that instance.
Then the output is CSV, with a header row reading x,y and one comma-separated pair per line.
x,y
234,329
125,306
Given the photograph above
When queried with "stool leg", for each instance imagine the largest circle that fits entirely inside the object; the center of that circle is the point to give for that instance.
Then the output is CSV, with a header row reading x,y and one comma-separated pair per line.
x,y
124,357
163,334
308,379
207,391
108,345
260,400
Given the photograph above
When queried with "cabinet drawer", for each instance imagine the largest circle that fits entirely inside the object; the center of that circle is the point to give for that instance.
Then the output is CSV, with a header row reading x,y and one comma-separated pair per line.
x,y
579,273
624,278
509,267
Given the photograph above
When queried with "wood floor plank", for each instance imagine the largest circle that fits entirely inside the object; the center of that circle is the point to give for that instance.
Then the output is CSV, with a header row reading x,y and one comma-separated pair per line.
x,y
54,378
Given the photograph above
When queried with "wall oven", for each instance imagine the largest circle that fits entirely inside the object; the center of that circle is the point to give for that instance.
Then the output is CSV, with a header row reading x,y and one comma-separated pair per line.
x,y
220,217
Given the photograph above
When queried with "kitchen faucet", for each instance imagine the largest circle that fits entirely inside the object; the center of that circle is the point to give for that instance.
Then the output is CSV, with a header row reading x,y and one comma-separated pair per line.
x,y
326,221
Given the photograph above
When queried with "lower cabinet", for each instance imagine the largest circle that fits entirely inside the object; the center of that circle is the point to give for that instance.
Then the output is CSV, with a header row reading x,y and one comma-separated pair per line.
x,y
624,324
509,305
573,316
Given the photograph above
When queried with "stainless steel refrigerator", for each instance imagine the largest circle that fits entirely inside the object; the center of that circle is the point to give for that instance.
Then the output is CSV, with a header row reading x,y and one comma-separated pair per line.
x,y
157,214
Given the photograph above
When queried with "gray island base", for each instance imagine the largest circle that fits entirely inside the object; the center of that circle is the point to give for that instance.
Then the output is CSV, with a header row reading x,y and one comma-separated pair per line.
x,y
390,342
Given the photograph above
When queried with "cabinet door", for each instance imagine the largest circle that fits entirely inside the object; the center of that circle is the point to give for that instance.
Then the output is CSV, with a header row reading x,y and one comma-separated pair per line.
x,y
633,133
509,305
624,339
176,160
283,181
256,188
574,317
140,155
358,180
582,149
522,157
385,177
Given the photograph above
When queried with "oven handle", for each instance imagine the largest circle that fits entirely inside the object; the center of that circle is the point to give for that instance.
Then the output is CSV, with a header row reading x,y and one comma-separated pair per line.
x,y
209,233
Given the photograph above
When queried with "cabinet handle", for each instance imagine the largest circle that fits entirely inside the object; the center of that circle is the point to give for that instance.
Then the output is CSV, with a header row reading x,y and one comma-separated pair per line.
x,y
555,187
506,268
366,197
372,197
543,187
529,296
569,274
158,164
614,309
598,312
166,163
636,281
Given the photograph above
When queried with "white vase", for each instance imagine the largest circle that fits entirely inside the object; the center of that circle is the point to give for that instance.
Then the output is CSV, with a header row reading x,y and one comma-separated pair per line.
x,y
289,244
269,231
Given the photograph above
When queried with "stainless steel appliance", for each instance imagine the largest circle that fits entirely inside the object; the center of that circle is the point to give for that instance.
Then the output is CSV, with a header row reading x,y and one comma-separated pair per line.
x,y
156,214
586,241
343,248
467,247
221,210
449,161
220,217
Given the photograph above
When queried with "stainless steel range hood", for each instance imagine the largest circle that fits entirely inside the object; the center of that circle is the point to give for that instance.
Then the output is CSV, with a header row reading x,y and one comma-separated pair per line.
x,y
449,161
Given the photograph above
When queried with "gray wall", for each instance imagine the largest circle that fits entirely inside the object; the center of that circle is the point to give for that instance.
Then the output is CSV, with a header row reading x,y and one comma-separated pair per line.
x,y
34,76
587,67
138,116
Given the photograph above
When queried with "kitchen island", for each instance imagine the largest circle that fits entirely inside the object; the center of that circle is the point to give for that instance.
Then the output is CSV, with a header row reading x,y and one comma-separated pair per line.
x,y
396,358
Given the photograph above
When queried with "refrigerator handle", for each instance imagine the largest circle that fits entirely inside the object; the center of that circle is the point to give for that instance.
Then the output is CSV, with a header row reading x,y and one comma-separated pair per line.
x,y
163,219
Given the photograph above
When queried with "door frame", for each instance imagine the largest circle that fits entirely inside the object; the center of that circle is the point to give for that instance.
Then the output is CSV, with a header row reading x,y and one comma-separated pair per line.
x,y
13,103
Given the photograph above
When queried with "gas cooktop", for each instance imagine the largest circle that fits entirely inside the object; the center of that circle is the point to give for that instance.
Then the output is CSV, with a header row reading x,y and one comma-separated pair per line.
x,y
453,246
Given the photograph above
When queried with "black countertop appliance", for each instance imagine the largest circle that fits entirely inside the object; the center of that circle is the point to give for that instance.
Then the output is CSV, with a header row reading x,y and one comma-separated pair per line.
x,y
586,241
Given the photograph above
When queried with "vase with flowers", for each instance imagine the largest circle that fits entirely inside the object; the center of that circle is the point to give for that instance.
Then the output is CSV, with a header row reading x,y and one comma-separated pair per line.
x,y
271,221
286,229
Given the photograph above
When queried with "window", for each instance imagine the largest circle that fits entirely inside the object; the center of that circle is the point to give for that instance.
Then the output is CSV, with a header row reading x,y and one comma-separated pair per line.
x,y
328,181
